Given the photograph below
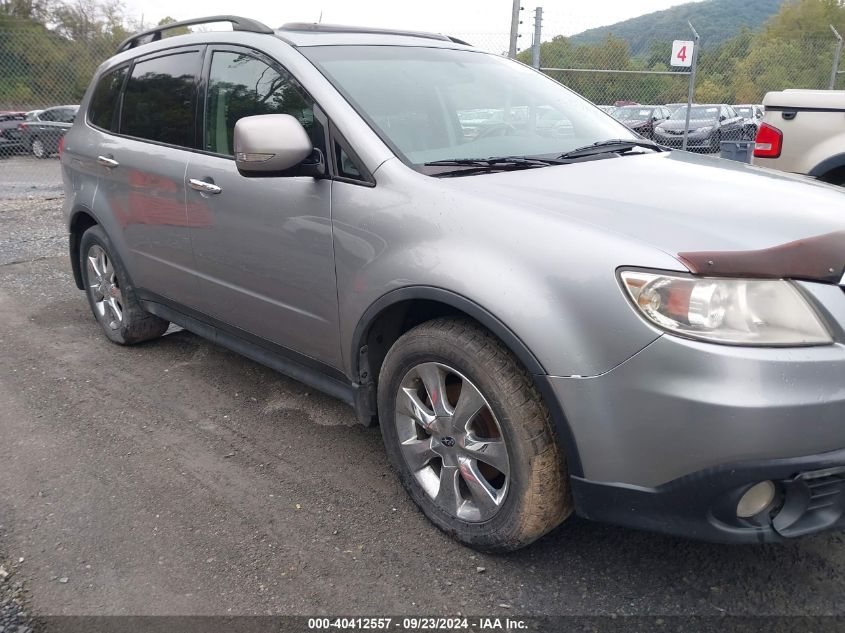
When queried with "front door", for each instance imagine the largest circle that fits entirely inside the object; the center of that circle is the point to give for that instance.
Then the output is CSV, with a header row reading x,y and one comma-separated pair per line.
x,y
263,246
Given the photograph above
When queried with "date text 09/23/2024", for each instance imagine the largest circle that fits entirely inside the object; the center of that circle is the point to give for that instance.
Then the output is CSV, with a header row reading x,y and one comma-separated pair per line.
x,y
410,624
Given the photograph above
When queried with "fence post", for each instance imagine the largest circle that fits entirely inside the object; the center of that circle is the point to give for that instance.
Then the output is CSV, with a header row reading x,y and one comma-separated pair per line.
x,y
836,57
691,93
538,33
517,7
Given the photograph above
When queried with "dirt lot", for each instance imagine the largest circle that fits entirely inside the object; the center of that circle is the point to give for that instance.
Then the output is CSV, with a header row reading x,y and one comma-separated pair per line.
x,y
179,478
22,176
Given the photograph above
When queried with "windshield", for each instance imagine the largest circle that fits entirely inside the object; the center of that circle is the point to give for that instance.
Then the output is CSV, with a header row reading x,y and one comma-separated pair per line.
x,y
433,104
633,114
709,113
746,112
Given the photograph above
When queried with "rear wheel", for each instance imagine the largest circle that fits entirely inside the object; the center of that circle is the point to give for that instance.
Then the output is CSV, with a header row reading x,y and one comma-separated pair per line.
x,y
470,437
111,297
39,150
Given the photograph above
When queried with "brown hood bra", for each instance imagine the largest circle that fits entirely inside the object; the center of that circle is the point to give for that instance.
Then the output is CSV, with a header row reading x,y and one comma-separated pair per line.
x,y
820,258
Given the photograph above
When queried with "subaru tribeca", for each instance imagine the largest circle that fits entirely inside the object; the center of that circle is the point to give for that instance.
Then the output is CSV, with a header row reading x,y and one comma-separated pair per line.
x,y
542,321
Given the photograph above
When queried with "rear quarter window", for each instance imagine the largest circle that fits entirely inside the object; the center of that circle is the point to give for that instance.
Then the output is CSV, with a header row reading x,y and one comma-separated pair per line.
x,y
105,102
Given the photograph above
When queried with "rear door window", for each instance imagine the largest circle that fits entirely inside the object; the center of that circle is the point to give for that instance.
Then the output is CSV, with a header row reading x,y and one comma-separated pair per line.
x,y
159,102
105,102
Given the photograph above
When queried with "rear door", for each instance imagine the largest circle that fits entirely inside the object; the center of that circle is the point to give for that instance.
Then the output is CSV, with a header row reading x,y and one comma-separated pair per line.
x,y
263,245
142,165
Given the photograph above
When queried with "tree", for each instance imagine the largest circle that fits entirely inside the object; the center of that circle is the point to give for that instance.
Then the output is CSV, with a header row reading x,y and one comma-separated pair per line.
x,y
182,30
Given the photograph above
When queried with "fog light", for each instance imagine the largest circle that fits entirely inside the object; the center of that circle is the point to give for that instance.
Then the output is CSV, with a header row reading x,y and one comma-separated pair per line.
x,y
756,499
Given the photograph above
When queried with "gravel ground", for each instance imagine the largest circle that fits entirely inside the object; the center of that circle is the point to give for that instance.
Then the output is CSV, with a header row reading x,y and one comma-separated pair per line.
x,y
25,176
15,616
179,478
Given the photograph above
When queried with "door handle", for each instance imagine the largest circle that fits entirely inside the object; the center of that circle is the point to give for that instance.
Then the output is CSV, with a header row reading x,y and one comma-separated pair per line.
x,y
105,161
203,186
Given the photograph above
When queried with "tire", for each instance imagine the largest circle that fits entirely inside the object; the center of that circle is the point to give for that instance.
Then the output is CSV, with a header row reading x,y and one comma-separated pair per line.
x,y
39,150
518,498
111,297
716,142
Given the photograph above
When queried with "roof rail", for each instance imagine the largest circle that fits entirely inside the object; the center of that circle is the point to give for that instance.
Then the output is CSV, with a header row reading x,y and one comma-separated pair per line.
x,y
155,34
338,28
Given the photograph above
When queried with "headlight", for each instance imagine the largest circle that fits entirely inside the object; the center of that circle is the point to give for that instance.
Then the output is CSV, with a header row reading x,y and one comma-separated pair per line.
x,y
733,311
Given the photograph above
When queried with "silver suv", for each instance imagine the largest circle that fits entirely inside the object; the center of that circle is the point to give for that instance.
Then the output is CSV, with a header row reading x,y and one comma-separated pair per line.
x,y
544,319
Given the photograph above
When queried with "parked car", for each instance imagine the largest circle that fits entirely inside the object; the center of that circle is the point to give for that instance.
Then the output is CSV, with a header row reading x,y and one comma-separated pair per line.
x,y
753,115
803,132
709,125
541,325
41,133
607,109
642,119
10,135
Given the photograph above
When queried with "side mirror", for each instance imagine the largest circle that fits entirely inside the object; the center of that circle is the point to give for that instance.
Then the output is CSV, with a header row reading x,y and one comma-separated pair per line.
x,y
270,143
723,118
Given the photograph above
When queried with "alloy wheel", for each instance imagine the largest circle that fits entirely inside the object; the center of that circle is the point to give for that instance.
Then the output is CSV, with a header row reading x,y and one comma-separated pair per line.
x,y
38,148
452,442
104,287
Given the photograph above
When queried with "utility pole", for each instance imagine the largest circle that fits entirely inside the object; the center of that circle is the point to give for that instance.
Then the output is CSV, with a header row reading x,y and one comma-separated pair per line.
x,y
538,34
691,93
517,7
836,57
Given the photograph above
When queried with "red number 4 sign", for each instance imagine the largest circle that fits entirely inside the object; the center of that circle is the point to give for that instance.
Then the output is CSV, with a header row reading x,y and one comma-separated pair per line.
x,y
682,53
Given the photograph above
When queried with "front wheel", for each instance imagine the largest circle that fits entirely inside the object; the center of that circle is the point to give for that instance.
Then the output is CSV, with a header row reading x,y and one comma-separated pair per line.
x,y
716,141
111,297
470,436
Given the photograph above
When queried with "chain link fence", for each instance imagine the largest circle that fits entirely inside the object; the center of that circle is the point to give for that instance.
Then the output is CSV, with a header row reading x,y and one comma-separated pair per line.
x,y
44,69
41,73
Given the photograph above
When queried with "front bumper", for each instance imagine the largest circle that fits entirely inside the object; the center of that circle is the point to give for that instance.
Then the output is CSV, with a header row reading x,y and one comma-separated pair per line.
x,y
695,141
810,498
673,436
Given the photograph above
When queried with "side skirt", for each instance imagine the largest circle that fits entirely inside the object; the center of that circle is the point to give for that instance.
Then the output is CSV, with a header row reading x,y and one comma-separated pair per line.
x,y
302,368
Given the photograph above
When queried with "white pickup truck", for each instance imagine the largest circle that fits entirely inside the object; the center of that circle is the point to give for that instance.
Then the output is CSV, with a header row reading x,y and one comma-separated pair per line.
x,y
803,132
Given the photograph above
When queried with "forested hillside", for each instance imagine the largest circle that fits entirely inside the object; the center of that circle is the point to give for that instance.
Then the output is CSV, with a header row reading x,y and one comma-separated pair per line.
x,y
794,48
49,49
715,20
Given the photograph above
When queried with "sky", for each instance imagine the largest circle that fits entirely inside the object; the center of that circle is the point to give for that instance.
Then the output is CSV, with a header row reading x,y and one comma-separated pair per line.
x,y
454,17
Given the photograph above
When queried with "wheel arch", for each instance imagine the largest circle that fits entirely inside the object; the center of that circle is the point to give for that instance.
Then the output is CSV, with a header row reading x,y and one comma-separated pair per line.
x,y
393,310
828,167
81,220
400,310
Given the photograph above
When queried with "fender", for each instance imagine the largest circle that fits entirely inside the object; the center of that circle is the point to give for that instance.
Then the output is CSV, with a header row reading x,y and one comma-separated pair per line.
x,y
499,329
827,165
73,243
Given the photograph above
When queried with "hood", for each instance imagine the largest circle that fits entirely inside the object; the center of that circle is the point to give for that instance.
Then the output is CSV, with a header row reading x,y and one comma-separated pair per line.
x,y
635,124
711,214
694,124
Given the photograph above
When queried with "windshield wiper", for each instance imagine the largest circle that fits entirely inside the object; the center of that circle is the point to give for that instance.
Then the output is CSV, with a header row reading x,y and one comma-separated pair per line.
x,y
616,145
474,166
495,162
